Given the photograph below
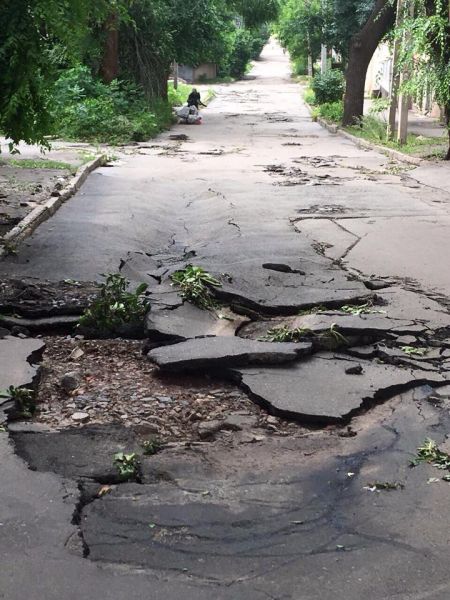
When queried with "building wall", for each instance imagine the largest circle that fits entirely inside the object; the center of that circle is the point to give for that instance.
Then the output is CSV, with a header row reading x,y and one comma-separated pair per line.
x,y
205,71
196,74
379,73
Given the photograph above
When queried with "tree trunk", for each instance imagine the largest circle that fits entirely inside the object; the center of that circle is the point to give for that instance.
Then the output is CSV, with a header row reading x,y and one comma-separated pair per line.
x,y
109,68
362,47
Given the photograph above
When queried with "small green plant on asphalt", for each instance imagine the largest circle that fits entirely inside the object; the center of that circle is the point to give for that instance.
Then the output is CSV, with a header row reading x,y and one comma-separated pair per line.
x,y
335,334
151,447
388,486
430,453
411,350
115,305
23,399
195,285
360,309
9,248
286,334
313,311
127,465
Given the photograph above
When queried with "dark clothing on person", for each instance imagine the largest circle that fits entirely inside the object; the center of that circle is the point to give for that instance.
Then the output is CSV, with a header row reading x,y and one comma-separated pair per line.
x,y
194,99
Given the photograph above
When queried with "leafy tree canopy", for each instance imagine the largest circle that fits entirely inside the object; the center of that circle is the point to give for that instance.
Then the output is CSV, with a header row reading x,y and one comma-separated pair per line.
x,y
35,36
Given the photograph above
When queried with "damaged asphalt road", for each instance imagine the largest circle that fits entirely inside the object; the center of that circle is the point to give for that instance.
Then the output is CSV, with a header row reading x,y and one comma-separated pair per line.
x,y
298,226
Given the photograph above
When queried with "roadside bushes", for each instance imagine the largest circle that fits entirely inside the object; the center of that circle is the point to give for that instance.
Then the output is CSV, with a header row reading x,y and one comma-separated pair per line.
x,y
243,45
85,108
331,111
328,86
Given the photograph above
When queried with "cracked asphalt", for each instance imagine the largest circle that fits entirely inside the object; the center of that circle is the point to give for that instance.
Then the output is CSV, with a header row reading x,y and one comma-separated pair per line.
x,y
290,217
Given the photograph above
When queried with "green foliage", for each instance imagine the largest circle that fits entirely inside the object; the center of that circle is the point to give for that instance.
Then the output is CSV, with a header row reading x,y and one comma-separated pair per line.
x,y
115,306
242,52
161,31
284,333
304,25
151,447
300,30
85,108
344,18
388,486
334,334
177,97
430,453
41,38
195,285
331,338
425,43
331,111
309,96
30,163
361,309
257,12
127,465
8,247
329,86
241,46
36,36
299,66
412,350
373,129
23,399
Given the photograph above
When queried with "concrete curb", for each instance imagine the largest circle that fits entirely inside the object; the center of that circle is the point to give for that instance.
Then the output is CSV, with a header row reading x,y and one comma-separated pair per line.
x,y
44,211
412,160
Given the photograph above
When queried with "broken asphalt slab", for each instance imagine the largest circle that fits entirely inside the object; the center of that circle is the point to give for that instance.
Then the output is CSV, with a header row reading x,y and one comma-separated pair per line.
x,y
320,389
188,321
221,352
86,453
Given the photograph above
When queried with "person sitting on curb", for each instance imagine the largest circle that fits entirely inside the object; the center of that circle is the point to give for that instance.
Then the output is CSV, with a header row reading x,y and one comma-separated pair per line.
x,y
194,99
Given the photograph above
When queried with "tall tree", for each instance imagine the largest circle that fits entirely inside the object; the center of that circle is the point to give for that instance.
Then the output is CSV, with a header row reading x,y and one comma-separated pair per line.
x,y
301,29
36,36
361,48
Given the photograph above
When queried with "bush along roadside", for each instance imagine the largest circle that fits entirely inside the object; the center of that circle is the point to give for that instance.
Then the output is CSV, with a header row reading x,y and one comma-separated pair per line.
x,y
117,312
325,102
325,96
84,108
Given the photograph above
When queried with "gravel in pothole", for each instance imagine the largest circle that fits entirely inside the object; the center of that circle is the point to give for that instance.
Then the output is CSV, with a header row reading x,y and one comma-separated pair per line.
x,y
107,381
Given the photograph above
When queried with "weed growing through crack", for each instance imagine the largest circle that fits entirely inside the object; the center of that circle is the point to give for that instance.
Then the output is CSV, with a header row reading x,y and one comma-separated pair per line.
x,y
195,284
9,248
360,309
430,453
285,334
411,350
313,311
389,486
335,335
23,399
151,447
127,465
115,306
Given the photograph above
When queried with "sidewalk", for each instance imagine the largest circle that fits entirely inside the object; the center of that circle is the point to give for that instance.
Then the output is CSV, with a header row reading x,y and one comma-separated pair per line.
x,y
31,177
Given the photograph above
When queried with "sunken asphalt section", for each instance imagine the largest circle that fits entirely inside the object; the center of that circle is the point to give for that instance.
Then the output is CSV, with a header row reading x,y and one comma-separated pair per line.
x,y
288,217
